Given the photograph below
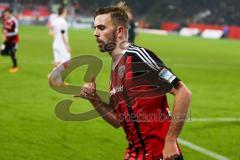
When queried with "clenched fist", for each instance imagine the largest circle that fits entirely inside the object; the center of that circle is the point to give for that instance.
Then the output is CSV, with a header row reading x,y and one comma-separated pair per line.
x,y
88,90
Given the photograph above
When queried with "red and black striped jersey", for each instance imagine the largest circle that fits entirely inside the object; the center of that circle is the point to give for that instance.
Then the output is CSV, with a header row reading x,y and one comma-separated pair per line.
x,y
138,86
10,29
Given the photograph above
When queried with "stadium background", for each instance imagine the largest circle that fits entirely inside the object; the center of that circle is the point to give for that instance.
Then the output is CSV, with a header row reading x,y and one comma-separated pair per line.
x,y
210,67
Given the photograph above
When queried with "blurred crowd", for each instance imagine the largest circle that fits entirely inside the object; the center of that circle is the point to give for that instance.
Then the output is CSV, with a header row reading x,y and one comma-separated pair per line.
x,y
220,12
152,13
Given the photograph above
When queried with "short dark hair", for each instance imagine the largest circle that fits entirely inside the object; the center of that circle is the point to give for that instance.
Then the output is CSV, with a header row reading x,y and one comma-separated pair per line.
x,y
9,10
61,10
118,14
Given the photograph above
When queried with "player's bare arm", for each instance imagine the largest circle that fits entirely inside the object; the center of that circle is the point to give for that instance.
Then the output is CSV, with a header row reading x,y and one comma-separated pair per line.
x,y
89,92
182,97
106,112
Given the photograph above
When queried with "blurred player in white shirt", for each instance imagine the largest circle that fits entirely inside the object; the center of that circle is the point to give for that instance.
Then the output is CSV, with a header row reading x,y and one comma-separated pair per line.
x,y
61,47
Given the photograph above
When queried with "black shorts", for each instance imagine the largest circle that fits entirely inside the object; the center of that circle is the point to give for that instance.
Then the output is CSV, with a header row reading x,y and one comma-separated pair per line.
x,y
139,154
8,48
180,157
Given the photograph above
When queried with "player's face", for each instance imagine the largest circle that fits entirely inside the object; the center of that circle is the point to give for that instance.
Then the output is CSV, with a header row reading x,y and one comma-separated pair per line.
x,y
6,15
105,33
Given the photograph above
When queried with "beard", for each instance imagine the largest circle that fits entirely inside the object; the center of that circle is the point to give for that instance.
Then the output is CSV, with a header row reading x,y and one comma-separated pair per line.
x,y
110,45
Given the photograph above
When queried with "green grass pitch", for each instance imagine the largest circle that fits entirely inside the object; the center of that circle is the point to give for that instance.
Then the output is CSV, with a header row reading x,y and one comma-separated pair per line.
x,y
29,129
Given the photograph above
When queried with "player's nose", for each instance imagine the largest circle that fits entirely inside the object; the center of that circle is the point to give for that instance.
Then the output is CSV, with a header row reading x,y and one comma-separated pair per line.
x,y
96,33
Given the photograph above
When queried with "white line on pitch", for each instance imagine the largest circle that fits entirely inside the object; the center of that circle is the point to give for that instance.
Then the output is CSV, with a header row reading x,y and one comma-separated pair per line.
x,y
221,119
202,150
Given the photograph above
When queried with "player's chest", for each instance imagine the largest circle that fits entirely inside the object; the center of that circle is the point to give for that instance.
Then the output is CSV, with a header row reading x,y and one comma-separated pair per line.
x,y
118,78
9,25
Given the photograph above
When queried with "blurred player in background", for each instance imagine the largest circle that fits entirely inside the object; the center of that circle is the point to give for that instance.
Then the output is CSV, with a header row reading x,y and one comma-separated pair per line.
x,y
152,138
132,28
61,47
11,38
132,24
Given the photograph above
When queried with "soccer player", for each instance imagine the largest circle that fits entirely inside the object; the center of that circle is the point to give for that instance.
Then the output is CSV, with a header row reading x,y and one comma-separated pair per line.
x,y
10,34
61,47
151,131
132,28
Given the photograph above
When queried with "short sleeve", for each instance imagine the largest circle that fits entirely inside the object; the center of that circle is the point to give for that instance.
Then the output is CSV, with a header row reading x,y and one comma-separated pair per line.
x,y
154,64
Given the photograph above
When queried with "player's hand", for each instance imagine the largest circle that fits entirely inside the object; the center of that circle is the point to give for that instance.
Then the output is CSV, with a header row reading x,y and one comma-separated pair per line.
x,y
69,48
55,79
3,37
170,150
51,33
88,90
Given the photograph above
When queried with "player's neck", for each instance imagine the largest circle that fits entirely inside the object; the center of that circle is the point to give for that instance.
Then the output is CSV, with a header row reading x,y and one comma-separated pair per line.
x,y
120,48
116,58
118,52
62,16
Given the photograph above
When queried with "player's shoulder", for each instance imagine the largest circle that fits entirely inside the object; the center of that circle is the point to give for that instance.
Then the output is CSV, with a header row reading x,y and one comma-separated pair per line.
x,y
141,54
58,21
53,15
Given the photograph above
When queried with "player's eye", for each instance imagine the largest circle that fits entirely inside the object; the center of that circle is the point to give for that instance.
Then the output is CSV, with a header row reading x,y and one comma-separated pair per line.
x,y
101,27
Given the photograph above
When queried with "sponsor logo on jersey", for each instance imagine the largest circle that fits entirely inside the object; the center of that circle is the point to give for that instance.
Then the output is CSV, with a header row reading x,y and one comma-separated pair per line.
x,y
116,90
121,71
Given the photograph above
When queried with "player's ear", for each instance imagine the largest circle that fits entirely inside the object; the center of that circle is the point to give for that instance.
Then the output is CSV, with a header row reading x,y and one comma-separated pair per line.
x,y
120,31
